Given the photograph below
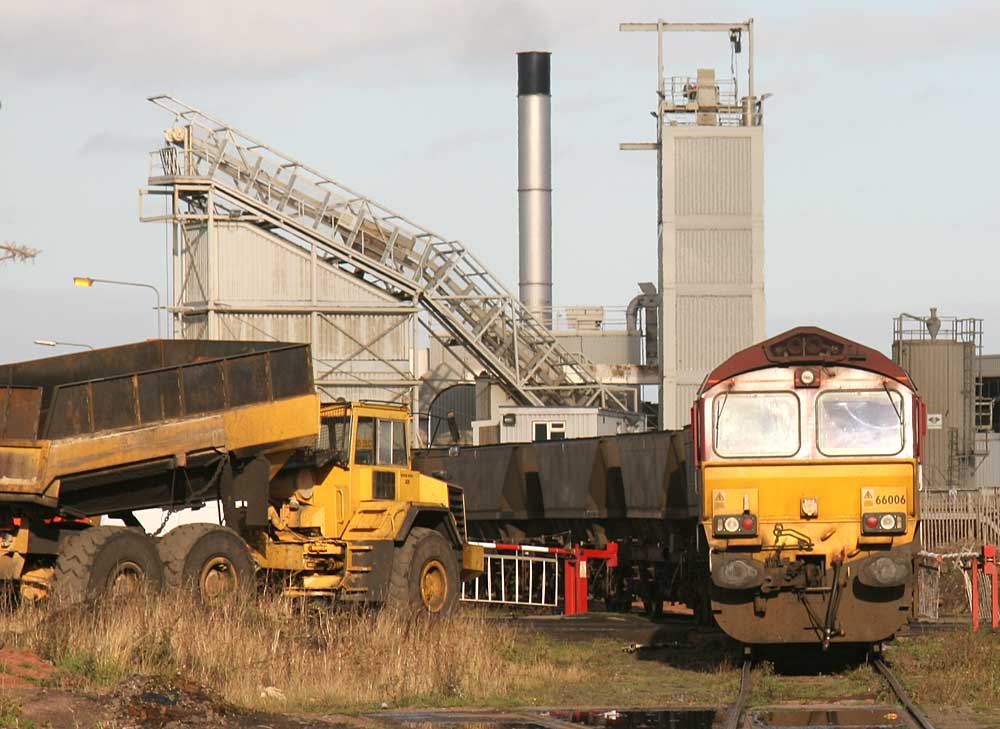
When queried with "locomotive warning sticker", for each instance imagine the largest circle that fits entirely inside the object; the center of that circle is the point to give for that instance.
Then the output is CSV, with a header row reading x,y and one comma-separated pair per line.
x,y
734,501
875,498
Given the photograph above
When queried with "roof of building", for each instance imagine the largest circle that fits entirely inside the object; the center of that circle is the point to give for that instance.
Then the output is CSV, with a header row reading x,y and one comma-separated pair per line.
x,y
806,346
989,365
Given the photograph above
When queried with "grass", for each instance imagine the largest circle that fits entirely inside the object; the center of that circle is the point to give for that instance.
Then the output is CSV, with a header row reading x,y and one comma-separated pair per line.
x,y
10,717
321,660
274,655
955,668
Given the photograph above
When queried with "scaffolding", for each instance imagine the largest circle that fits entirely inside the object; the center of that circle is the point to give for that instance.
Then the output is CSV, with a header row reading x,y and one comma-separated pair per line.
x,y
216,173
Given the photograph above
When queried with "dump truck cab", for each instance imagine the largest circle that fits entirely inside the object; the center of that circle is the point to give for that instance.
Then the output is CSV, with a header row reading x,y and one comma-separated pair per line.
x,y
356,499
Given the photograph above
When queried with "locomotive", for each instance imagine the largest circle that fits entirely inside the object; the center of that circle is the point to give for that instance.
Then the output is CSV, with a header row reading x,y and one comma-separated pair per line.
x,y
786,513
807,450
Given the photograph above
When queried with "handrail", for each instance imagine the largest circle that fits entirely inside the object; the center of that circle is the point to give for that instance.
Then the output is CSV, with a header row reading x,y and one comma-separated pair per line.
x,y
404,257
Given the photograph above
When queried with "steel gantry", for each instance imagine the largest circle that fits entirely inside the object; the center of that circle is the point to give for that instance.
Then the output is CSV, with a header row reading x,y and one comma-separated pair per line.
x,y
223,174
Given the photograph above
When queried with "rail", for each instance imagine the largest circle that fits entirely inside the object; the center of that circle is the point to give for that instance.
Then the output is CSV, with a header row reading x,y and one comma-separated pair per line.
x,y
916,714
733,717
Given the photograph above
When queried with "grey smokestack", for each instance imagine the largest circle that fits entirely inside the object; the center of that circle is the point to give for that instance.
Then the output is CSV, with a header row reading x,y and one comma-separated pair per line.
x,y
534,183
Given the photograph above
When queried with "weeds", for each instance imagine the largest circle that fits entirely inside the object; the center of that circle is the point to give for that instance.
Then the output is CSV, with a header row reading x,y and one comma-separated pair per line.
x,y
316,657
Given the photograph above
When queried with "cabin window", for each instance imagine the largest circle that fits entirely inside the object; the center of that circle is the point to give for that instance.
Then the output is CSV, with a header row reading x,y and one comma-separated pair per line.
x,y
756,424
335,435
549,430
364,452
860,423
391,443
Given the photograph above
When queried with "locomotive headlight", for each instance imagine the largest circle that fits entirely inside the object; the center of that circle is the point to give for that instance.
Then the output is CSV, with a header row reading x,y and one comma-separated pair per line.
x,y
809,507
731,525
888,521
807,377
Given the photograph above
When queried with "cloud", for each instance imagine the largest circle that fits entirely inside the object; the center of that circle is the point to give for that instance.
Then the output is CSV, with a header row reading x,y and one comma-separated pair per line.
x,y
126,38
118,143
228,40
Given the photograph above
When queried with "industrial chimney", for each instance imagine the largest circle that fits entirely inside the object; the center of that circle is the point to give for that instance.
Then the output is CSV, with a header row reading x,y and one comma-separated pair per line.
x,y
534,183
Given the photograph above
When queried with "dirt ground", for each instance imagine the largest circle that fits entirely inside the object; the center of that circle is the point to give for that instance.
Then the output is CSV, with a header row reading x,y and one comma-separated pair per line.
x,y
143,703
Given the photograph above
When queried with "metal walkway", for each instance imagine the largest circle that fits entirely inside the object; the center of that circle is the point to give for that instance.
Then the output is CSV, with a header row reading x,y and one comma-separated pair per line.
x,y
252,181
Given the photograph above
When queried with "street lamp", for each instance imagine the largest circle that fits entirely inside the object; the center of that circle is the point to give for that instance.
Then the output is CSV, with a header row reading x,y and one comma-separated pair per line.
x,y
88,282
54,343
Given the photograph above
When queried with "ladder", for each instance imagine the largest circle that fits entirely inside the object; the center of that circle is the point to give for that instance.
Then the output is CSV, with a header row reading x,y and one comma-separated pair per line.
x,y
254,181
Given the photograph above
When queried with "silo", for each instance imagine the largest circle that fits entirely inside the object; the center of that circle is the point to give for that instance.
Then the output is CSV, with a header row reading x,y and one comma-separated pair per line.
x,y
941,355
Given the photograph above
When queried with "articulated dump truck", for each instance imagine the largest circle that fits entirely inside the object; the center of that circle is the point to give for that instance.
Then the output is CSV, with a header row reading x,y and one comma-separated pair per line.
x,y
320,500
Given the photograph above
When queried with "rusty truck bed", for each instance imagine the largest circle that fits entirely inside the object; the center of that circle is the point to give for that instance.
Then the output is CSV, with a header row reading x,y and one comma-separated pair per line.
x,y
148,424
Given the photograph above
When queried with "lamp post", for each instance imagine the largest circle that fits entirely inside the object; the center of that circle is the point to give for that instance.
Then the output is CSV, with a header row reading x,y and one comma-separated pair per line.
x,y
54,343
88,282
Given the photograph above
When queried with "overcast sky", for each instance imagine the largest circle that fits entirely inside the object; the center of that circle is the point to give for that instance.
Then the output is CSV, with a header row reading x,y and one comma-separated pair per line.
x,y
881,150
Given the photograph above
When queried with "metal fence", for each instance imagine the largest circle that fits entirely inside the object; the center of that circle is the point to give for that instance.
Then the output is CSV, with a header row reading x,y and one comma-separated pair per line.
x,y
526,580
960,519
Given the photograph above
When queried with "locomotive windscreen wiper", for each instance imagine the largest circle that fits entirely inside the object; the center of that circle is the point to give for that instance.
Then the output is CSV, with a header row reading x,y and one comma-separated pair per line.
x,y
718,415
888,394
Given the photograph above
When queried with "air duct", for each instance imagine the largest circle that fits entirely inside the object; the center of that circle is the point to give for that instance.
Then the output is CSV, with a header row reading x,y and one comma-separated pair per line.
x,y
534,183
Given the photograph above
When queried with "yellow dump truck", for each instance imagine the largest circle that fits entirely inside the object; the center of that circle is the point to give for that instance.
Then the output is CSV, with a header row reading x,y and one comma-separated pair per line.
x,y
319,499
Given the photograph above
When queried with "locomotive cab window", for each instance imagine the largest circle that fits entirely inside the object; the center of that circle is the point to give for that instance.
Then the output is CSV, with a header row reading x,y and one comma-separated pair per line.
x,y
756,424
860,423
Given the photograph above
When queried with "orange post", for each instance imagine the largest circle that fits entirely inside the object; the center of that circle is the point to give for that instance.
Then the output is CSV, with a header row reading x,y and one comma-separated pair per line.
x,y
990,568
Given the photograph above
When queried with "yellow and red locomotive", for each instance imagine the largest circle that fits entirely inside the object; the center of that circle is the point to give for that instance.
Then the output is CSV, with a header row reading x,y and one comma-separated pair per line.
x,y
807,452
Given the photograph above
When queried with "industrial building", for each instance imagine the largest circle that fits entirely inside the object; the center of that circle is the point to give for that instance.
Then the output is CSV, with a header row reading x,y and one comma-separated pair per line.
x,y
265,247
710,156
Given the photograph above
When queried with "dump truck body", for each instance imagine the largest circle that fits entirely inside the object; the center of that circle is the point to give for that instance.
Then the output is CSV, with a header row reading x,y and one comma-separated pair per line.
x,y
175,424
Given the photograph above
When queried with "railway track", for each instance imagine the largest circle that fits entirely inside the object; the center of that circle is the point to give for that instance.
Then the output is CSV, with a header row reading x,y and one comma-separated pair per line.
x,y
917,716
734,713
733,718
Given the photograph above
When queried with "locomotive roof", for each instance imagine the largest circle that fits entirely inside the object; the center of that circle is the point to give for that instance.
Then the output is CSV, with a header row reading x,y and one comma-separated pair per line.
x,y
806,346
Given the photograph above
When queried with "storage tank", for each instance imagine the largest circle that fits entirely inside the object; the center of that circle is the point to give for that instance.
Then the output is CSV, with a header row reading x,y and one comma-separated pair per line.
x,y
941,355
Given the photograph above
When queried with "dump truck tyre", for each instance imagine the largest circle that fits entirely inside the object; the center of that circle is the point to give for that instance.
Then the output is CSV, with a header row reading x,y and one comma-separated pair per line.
x,y
106,560
425,576
212,561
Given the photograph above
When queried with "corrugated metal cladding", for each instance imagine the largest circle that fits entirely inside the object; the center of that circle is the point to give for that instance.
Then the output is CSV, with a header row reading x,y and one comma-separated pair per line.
x,y
715,172
254,270
988,473
711,257
611,348
362,392
715,256
731,318
384,336
195,264
283,327
685,399
940,371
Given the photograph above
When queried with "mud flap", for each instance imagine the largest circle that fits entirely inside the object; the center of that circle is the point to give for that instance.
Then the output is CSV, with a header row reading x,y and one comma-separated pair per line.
x,y
369,569
249,485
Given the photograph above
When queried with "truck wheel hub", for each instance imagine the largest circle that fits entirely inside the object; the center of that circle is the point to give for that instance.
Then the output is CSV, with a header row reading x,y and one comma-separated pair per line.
x,y
125,578
218,577
433,586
